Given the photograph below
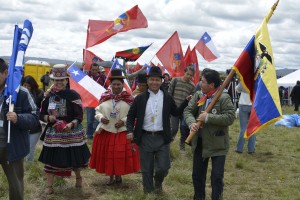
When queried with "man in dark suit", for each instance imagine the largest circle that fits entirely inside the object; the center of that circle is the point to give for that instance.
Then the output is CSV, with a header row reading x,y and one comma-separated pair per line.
x,y
151,111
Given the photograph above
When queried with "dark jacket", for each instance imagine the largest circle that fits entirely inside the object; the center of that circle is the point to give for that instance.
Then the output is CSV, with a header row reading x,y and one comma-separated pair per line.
x,y
137,113
27,119
295,94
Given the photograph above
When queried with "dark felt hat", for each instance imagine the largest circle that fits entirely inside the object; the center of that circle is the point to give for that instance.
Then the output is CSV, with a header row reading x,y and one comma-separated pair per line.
x,y
116,74
155,71
142,77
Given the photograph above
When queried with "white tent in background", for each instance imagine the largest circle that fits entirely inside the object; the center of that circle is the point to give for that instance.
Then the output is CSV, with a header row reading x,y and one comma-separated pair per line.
x,y
289,80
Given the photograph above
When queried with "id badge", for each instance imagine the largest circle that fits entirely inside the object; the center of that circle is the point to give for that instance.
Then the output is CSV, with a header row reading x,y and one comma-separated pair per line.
x,y
113,115
52,106
1,123
152,119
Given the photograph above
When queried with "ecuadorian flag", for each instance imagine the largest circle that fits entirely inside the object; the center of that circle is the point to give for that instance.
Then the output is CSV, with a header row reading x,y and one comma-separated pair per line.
x,y
256,69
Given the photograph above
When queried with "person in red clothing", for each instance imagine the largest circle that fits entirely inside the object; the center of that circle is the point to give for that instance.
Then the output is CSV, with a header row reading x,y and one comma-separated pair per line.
x,y
112,153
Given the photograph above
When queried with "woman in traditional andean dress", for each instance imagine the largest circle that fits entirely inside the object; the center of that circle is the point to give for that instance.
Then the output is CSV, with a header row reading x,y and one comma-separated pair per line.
x,y
64,147
112,153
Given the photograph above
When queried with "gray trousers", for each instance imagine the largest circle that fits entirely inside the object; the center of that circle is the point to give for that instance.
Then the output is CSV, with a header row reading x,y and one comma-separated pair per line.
x,y
155,161
14,172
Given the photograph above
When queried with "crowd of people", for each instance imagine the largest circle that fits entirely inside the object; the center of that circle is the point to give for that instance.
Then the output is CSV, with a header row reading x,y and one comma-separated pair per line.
x,y
130,133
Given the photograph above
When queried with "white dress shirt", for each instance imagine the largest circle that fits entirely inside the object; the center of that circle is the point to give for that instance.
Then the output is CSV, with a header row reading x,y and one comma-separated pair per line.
x,y
153,120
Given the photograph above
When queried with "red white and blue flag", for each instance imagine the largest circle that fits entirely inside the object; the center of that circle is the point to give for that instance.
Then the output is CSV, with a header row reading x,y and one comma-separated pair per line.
x,y
89,90
206,48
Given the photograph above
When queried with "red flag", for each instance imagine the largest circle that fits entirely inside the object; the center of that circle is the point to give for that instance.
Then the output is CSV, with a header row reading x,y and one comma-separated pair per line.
x,y
171,56
194,61
190,58
137,67
186,56
89,58
133,87
99,31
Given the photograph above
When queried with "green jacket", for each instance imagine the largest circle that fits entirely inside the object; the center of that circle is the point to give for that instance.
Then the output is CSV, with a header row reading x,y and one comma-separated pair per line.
x,y
215,133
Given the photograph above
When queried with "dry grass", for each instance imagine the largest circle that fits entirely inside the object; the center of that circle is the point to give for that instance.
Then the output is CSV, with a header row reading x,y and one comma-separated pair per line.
x,y
273,172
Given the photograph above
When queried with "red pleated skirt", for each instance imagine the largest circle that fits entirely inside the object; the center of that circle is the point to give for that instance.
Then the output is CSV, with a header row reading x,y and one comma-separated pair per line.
x,y
113,154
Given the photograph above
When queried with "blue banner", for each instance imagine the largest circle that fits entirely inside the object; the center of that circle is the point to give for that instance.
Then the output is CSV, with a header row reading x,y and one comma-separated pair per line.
x,y
15,71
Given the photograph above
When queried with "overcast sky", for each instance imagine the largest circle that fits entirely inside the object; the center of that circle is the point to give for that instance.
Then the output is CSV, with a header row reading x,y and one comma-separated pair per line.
x,y
60,27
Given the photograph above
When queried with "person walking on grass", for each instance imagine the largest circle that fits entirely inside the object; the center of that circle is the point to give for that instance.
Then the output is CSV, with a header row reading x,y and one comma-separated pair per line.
x,y
148,125
23,118
180,88
64,147
112,153
212,138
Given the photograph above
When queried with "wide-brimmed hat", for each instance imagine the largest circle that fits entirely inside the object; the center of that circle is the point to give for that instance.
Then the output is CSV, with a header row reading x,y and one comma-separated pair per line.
x,y
155,71
116,74
59,71
142,77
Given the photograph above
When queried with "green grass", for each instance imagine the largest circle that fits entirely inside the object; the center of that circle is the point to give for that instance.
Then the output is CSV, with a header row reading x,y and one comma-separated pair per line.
x,y
273,172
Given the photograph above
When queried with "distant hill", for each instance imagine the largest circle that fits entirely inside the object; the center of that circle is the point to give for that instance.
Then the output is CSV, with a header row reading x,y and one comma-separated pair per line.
x,y
48,60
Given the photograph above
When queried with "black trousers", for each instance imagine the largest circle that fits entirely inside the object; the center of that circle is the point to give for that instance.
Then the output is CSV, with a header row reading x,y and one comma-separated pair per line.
x,y
297,102
199,174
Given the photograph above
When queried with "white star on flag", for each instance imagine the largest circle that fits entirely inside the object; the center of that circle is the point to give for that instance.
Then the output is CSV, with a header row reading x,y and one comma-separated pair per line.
x,y
75,72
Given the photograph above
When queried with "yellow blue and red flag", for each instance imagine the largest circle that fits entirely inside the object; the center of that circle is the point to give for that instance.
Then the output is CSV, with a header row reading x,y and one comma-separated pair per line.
x,y
256,70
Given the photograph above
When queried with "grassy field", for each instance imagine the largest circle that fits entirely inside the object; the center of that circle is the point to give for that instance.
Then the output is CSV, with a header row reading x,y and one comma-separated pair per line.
x,y
272,173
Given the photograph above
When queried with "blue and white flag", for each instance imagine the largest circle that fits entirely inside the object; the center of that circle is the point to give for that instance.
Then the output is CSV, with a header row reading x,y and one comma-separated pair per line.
x,y
15,69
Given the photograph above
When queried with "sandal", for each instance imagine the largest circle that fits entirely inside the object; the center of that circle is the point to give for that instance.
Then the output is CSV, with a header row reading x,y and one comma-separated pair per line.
x,y
49,190
78,182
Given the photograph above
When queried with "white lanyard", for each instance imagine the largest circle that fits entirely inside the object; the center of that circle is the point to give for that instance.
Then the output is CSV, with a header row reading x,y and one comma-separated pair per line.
x,y
154,107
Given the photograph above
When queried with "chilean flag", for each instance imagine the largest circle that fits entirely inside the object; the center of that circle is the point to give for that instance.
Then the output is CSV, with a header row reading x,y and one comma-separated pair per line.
x,y
89,90
206,48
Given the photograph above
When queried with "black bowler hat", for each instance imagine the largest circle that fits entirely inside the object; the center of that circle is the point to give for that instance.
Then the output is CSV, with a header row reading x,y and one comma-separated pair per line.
x,y
155,71
116,74
142,77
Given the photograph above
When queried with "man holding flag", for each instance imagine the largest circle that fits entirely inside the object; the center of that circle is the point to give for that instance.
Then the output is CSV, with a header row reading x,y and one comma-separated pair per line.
x,y
212,139
23,119
17,117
